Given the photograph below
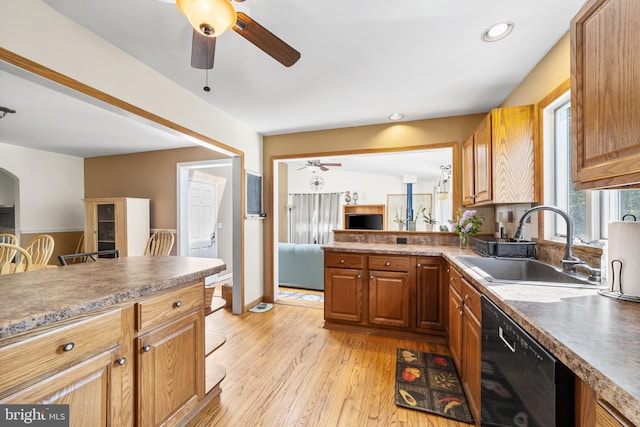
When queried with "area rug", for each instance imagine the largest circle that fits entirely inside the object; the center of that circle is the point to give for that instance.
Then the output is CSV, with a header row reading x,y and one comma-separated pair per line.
x,y
429,382
300,296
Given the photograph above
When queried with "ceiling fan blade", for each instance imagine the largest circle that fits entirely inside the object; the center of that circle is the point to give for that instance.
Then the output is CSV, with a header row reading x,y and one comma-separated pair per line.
x,y
303,167
203,49
265,40
322,168
331,164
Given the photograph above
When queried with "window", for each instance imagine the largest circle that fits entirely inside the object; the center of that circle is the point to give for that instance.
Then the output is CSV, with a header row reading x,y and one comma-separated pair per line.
x,y
591,210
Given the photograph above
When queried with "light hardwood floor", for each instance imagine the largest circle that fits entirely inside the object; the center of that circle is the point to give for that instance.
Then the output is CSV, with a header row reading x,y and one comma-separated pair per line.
x,y
285,369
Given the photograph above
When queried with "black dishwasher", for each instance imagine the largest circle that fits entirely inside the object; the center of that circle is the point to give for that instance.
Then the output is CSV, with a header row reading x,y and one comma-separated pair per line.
x,y
523,385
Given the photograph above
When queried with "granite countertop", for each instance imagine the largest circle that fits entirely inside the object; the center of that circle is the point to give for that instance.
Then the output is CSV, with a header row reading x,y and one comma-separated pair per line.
x,y
36,298
597,337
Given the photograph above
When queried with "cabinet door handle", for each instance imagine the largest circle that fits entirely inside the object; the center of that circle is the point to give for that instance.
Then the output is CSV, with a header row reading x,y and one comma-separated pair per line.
x,y
146,348
122,361
467,297
458,307
388,264
371,277
68,346
177,304
359,276
418,265
341,261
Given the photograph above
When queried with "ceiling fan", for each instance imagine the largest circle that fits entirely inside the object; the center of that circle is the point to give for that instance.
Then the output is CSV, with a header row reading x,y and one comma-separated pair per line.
x,y
210,18
317,164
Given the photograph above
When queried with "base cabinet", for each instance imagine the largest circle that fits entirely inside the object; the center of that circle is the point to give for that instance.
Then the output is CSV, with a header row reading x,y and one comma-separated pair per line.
x,y
389,298
465,336
87,389
343,294
170,378
387,294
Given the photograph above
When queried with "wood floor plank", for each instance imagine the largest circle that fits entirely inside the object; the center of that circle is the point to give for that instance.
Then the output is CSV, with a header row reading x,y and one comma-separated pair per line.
x,y
285,369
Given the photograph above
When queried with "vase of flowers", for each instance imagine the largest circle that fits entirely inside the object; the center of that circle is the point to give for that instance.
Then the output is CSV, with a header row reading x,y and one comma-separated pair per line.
x,y
466,224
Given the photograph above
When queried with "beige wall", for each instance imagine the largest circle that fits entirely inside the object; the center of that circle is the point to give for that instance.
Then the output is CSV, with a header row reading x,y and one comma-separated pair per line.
x,y
547,75
386,137
149,175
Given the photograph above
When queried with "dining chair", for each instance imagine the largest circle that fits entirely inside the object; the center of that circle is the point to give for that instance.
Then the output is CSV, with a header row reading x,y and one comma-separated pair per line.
x,y
41,249
89,256
160,243
23,262
6,253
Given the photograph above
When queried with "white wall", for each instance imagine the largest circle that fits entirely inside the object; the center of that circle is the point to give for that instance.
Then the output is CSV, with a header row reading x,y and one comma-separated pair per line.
x,y
66,47
51,189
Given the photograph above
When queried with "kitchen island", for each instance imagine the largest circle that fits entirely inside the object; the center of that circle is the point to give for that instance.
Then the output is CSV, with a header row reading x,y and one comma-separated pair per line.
x,y
598,338
121,340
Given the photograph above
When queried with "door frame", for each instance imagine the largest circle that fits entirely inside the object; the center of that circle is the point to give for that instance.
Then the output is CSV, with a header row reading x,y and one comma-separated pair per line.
x,y
182,180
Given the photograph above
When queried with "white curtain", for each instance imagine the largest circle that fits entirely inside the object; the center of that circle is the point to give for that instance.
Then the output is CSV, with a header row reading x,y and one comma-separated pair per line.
x,y
314,216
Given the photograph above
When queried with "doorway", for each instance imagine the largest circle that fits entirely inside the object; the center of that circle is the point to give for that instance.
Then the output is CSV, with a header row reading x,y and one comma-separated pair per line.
x,y
9,206
206,210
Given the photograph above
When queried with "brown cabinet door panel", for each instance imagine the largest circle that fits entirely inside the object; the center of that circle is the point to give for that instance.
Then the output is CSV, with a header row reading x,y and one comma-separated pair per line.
x,y
389,298
483,161
430,298
343,294
171,378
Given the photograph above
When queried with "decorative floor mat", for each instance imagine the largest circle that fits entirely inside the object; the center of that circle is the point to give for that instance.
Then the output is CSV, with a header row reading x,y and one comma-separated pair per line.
x,y
429,382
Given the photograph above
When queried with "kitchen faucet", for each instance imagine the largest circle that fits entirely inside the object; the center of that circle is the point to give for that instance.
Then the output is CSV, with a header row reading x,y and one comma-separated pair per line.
x,y
569,262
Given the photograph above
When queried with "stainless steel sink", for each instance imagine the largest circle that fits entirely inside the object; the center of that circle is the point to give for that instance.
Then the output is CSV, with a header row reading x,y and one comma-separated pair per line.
x,y
524,271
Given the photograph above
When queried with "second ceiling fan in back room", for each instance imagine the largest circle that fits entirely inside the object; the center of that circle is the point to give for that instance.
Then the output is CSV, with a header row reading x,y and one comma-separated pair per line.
x,y
314,165
210,18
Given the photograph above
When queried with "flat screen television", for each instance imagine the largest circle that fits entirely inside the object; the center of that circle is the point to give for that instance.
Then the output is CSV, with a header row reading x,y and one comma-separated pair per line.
x,y
364,221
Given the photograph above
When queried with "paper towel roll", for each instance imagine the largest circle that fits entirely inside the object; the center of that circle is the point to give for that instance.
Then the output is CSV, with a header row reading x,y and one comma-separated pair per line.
x,y
623,271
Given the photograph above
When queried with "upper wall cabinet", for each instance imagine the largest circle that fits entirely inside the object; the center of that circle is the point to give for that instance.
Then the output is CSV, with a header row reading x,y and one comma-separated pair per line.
x,y
498,159
605,58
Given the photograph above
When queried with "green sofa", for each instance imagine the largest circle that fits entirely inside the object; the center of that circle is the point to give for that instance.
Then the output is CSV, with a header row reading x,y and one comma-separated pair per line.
x,y
301,266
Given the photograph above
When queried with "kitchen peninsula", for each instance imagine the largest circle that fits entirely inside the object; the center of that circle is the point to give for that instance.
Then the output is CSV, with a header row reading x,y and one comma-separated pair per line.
x,y
121,340
598,338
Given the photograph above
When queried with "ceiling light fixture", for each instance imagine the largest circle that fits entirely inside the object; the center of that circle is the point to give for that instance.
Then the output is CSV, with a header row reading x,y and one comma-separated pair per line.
x,y
396,116
209,17
4,111
497,31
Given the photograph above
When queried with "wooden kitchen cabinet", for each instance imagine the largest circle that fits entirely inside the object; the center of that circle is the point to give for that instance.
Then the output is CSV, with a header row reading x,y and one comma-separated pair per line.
x,y
476,165
455,314
170,355
498,159
465,336
431,304
471,347
117,223
79,362
343,291
389,290
401,296
605,49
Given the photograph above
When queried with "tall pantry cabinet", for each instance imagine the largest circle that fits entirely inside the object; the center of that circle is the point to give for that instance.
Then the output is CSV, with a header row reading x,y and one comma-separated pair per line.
x,y
117,223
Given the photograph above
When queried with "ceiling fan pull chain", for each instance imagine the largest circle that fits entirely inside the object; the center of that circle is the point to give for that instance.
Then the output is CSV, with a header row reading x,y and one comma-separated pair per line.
x,y
206,81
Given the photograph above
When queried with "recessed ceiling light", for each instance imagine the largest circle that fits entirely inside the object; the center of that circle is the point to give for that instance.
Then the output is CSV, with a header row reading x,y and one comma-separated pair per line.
x,y
497,31
396,116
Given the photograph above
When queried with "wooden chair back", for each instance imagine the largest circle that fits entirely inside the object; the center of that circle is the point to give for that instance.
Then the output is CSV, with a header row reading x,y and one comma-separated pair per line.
x,y
41,249
160,243
5,252
22,264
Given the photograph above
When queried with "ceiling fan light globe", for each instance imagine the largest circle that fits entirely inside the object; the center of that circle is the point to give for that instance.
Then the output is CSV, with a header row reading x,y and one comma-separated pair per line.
x,y
209,17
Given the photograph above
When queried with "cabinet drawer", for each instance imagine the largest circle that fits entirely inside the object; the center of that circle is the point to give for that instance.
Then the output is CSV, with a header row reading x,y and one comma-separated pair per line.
x,y
158,310
56,346
343,260
387,263
471,298
455,279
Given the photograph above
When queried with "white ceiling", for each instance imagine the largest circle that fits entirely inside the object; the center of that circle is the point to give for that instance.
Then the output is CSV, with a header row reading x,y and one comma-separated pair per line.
x,y
361,60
